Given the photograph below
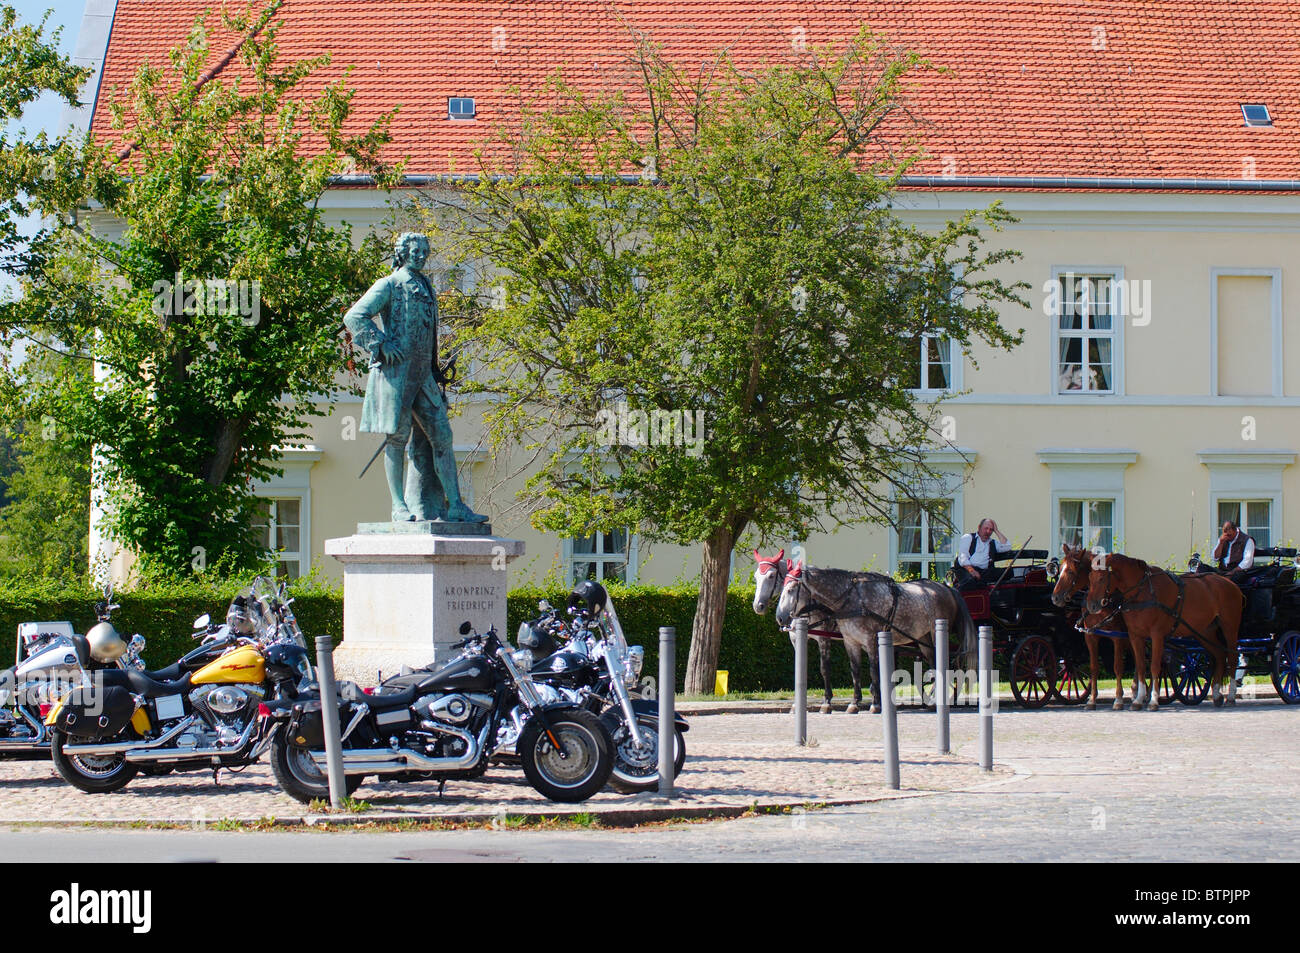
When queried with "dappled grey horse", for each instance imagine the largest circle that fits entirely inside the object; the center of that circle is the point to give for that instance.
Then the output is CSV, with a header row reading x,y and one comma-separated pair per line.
x,y
864,603
769,575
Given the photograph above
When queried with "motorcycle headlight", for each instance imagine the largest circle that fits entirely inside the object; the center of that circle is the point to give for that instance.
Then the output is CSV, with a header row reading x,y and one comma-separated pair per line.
x,y
523,658
635,659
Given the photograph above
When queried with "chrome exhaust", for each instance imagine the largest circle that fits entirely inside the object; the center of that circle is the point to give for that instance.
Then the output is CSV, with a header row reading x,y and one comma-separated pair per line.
x,y
397,760
187,754
123,748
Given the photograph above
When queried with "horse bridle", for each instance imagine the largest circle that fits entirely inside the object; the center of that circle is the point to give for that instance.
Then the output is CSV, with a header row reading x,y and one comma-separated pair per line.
x,y
796,575
1148,579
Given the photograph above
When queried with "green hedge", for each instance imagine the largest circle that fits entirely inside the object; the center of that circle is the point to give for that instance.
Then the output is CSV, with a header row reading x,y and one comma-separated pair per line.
x,y
756,653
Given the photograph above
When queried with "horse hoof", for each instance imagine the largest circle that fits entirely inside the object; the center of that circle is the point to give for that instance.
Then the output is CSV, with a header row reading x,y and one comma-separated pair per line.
x,y
1154,706
1135,707
824,710
1118,706
851,710
1091,706
1218,701
875,709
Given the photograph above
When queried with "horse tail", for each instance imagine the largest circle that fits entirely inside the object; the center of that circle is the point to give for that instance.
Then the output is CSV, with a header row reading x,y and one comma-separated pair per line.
x,y
970,649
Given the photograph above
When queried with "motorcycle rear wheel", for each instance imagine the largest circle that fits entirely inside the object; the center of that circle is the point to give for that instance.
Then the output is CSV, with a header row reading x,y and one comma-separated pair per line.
x,y
102,774
583,768
298,775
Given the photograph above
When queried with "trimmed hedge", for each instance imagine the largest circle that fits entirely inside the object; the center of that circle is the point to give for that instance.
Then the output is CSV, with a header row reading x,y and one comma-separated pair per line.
x,y
755,652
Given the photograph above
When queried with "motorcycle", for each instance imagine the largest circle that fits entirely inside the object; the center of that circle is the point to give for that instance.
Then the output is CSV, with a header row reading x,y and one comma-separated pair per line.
x,y
434,725
51,659
594,668
202,712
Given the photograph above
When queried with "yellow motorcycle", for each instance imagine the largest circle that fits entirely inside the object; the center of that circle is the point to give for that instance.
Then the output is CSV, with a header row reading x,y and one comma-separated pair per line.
x,y
206,717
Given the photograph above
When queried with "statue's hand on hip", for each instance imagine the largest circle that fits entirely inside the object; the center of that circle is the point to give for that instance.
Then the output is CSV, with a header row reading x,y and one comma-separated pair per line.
x,y
390,354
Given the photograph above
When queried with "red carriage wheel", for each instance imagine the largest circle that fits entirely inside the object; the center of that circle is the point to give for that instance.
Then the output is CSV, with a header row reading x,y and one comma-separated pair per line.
x,y
1073,681
1033,672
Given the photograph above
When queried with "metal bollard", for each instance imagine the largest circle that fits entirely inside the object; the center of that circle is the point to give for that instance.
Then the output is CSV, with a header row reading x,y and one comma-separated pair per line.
x,y
667,715
329,709
799,636
888,711
986,698
942,679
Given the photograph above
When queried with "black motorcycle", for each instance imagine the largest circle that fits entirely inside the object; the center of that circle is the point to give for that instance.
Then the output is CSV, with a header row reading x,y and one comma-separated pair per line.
x,y
435,725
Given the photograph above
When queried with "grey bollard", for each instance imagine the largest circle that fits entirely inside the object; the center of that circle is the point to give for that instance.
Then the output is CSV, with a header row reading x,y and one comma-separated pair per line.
x,y
667,714
888,711
329,709
986,698
942,679
799,636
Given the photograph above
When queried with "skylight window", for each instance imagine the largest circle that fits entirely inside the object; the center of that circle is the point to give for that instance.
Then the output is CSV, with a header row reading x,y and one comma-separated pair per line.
x,y
1256,114
460,107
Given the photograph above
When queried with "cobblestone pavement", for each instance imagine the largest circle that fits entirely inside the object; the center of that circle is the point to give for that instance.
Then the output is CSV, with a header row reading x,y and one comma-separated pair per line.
x,y
732,760
1175,785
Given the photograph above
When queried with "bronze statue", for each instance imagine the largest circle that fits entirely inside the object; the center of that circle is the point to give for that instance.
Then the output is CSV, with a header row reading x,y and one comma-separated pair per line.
x,y
403,388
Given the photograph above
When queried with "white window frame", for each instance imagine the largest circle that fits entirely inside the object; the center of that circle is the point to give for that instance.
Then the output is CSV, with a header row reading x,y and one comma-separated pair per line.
x,y
294,484
301,556
1246,475
1118,318
1087,540
462,117
1083,473
952,466
572,558
1275,307
943,560
1242,501
956,361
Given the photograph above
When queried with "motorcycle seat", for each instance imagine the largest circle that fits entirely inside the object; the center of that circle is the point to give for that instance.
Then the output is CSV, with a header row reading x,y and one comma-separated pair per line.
x,y
389,700
141,684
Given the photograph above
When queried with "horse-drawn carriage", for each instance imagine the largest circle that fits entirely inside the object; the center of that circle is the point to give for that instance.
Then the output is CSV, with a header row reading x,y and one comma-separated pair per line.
x,y
1047,655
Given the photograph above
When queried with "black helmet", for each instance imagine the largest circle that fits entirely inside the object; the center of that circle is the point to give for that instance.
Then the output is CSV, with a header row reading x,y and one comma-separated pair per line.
x,y
590,594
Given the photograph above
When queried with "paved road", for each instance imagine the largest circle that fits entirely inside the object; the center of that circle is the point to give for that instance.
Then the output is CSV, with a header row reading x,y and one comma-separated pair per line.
x,y
1175,785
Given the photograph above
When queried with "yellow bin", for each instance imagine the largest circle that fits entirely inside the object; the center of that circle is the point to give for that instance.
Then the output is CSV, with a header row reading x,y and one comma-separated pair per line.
x,y
720,684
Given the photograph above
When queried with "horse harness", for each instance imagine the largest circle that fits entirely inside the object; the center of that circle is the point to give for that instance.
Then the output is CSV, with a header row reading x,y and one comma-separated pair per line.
x,y
1176,613
829,613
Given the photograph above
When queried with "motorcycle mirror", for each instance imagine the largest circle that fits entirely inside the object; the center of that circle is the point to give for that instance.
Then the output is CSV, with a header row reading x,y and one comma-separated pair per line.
x,y
465,627
202,621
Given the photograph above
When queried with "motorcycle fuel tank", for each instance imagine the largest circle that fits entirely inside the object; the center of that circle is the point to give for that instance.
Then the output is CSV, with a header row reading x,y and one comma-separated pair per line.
x,y
462,675
54,661
242,665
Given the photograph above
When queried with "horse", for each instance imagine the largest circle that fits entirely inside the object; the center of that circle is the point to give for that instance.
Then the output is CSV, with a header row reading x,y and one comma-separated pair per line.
x,y
1208,607
1075,565
864,603
768,575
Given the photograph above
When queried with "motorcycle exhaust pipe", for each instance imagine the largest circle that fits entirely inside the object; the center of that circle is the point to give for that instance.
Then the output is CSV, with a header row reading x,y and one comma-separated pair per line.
x,y
152,755
122,748
395,761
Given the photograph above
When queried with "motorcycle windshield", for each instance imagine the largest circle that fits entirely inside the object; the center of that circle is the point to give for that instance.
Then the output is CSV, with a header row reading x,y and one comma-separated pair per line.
x,y
614,631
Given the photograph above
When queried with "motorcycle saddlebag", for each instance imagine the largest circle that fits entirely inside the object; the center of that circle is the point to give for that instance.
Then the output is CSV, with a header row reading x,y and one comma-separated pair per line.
x,y
307,728
96,714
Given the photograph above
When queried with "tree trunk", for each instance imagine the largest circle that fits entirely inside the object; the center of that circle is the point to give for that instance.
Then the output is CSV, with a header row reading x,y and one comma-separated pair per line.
x,y
706,632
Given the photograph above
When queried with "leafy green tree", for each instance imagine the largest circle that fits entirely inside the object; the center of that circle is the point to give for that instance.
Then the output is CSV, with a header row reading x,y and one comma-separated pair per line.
x,y
205,287
719,242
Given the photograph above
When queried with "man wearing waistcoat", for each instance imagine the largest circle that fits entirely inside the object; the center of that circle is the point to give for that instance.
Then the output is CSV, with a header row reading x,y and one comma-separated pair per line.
x,y
1235,552
403,388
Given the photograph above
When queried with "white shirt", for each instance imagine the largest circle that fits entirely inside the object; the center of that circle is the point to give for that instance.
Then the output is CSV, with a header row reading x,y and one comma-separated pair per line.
x,y
983,550
1247,554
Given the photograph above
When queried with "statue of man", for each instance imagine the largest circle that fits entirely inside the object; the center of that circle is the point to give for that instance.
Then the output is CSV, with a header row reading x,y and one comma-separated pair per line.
x,y
403,387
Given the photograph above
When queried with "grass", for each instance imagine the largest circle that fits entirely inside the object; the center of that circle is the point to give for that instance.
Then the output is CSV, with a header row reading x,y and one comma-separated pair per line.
x,y
350,806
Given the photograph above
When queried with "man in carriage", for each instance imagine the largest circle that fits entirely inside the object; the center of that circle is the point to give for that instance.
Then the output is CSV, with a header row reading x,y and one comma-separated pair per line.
x,y
975,555
1235,552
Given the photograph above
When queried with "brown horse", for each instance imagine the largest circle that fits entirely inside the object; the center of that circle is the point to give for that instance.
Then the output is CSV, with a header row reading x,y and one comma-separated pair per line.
x,y
1157,605
1075,565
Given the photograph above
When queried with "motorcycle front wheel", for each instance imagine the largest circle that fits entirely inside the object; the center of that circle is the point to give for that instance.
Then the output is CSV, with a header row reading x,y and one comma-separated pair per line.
x,y
637,770
576,770
94,774
297,774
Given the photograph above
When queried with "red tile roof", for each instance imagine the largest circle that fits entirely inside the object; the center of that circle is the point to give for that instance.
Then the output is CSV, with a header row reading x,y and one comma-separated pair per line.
x,y
1143,88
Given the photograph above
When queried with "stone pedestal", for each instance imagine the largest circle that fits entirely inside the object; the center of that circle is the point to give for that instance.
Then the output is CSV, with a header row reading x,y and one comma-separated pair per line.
x,y
407,587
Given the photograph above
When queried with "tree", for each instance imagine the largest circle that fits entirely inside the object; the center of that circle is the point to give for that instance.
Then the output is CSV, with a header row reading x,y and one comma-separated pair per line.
x,y
718,243
205,288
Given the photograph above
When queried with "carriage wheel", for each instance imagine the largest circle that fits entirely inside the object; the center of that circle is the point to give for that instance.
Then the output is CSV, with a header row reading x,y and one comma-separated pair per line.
x,y
1192,677
1286,668
1033,672
1073,681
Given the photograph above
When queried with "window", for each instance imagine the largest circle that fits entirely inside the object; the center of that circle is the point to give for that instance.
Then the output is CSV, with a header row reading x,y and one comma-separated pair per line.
x,y
1255,517
925,541
1256,114
279,526
1087,523
460,107
934,369
601,556
1086,338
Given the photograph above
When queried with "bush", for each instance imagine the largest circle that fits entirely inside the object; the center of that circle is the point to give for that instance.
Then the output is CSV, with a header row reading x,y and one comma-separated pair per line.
x,y
756,653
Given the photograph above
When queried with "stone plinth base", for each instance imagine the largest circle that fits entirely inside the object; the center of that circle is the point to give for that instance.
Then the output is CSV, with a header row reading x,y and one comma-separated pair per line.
x,y
406,593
